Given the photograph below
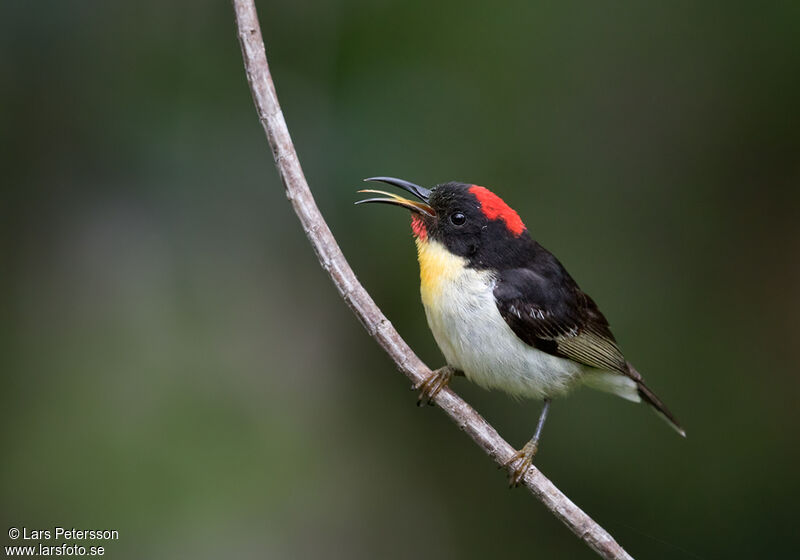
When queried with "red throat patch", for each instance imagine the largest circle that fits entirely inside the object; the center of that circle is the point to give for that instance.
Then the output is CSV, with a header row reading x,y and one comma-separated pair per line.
x,y
494,208
418,227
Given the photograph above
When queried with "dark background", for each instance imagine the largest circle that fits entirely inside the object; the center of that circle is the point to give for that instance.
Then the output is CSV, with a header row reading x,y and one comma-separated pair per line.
x,y
176,366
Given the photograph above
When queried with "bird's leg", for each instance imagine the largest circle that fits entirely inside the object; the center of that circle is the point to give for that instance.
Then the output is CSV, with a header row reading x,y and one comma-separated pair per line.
x,y
434,383
525,455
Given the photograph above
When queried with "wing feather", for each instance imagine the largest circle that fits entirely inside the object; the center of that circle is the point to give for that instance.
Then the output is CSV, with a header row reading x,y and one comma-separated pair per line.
x,y
549,312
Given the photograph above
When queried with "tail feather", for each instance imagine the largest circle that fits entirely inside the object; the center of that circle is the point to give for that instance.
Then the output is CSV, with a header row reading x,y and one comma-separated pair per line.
x,y
659,407
630,385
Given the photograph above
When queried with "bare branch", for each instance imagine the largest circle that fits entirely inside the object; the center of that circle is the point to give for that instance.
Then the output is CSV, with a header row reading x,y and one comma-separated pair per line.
x,y
376,324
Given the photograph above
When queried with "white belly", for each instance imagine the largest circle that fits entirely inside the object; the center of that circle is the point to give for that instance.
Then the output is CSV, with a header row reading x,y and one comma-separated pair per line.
x,y
474,337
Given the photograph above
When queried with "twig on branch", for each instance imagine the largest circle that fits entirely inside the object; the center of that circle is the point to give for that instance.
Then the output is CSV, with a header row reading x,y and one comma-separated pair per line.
x,y
377,325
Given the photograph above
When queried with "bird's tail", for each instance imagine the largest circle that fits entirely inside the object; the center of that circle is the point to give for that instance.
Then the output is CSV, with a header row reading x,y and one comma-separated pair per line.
x,y
650,398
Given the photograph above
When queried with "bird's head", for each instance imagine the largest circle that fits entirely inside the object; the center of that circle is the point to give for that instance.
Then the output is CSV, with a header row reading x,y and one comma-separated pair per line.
x,y
469,220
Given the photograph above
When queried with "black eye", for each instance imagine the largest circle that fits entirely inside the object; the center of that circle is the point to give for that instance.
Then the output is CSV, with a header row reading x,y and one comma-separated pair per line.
x,y
457,218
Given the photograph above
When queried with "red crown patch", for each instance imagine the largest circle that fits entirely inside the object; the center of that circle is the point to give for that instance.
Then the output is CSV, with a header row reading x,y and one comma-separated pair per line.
x,y
494,208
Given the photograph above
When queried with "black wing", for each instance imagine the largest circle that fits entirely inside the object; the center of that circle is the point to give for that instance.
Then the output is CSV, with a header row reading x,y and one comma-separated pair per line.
x,y
548,311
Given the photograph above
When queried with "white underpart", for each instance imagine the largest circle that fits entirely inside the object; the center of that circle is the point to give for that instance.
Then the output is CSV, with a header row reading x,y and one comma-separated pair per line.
x,y
612,382
474,337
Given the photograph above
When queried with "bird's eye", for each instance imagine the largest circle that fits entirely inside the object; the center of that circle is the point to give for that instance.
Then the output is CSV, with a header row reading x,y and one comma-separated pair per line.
x,y
457,219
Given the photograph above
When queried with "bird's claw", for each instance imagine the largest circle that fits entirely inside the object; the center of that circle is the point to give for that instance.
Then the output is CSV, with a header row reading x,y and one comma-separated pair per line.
x,y
433,384
524,460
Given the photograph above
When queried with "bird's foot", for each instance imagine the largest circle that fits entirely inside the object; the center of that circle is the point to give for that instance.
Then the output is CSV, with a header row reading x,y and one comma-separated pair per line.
x,y
433,384
521,462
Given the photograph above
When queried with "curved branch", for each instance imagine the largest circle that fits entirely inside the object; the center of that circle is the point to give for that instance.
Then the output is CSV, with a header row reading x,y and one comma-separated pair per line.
x,y
356,297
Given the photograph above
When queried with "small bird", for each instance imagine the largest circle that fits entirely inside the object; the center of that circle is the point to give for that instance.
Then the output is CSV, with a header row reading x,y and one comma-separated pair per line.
x,y
504,311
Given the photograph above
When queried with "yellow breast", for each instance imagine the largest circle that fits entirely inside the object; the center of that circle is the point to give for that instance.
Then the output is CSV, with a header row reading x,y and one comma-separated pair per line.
x,y
438,267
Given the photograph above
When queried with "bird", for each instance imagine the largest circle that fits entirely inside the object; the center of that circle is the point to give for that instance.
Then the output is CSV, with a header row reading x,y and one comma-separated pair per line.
x,y
504,311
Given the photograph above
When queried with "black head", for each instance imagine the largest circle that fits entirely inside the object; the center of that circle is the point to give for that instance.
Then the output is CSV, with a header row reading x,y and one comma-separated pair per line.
x,y
469,220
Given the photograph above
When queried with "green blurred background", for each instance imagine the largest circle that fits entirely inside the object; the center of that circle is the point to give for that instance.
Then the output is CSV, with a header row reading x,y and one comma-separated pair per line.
x,y
175,364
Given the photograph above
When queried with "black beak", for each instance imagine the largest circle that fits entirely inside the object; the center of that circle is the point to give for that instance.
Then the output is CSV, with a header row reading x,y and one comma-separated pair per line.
x,y
420,192
416,190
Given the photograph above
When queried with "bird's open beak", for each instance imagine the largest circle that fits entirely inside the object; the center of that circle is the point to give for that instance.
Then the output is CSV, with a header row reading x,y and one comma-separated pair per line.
x,y
420,192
